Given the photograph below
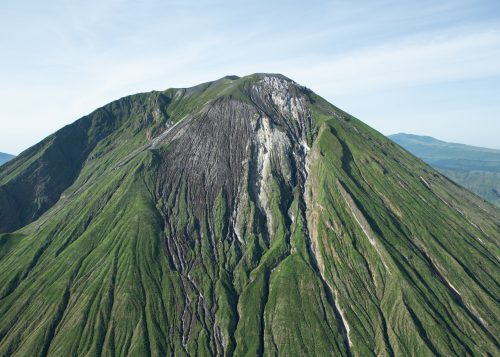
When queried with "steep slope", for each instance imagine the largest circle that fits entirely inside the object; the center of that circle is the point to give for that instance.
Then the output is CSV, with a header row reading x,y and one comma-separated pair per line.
x,y
245,216
483,183
475,168
5,157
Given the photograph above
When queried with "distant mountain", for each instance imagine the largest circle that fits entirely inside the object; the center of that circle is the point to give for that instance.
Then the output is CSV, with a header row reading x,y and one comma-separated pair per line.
x,y
475,168
241,217
5,157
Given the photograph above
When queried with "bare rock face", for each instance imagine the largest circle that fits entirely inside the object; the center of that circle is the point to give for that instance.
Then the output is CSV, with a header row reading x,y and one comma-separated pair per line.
x,y
245,216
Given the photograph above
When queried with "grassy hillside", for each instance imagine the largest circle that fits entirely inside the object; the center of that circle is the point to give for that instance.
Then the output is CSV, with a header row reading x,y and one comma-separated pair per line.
x,y
245,216
475,168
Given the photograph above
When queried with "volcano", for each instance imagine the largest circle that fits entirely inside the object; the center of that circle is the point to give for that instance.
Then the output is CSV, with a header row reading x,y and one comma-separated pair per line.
x,y
244,216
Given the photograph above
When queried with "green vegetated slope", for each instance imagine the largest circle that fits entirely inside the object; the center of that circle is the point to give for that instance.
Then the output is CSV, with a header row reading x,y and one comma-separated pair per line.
x,y
245,216
476,168
5,157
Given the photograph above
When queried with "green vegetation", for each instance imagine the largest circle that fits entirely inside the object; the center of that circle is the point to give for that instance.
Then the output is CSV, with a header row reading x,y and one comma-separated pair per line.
x,y
475,168
245,216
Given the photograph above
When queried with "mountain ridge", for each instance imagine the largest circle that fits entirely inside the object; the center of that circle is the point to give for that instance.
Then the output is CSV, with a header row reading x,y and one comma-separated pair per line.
x,y
243,216
432,139
475,168
5,157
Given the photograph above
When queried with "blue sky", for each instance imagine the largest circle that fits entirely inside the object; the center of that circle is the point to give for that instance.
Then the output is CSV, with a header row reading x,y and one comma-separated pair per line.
x,y
424,67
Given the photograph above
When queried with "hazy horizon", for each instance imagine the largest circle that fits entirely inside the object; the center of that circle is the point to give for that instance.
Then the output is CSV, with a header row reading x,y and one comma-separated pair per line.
x,y
426,69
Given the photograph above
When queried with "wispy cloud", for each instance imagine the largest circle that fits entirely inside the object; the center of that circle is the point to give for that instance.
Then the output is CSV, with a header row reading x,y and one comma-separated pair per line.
x,y
67,58
431,59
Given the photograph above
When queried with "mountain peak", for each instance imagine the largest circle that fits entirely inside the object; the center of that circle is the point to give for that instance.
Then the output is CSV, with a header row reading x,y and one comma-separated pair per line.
x,y
278,76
